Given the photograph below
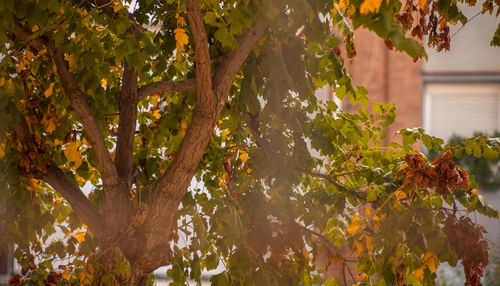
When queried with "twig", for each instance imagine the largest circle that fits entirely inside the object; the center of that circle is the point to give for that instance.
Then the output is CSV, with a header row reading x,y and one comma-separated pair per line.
x,y
477,14
333,182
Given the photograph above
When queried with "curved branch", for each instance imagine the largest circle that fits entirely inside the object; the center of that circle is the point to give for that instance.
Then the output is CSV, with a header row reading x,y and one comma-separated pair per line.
x,y
116,196
78,103
84,208
234,59
341,188
104,6
21,32
126,129
178,175
165,86
166,196
212,94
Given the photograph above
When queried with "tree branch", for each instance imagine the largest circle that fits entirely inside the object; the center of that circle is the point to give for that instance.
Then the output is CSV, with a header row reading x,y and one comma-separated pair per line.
x,y
21,32
253,125
178,175
165,86
79,104
84,208
104,6
126,129
116,196
333,182
234,59
325,241
164,199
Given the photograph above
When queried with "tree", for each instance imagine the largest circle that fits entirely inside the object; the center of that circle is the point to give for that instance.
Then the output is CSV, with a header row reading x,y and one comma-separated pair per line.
x,y
187,133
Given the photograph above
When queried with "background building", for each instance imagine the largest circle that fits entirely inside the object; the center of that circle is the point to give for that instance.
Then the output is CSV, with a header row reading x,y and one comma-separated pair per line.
x,y
454,92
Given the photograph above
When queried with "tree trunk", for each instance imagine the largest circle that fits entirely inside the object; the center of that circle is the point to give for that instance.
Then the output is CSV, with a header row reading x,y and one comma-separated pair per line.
x,y
136,279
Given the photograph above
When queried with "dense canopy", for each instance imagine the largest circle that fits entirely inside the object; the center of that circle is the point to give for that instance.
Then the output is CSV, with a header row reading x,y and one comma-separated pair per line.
x,y
185,133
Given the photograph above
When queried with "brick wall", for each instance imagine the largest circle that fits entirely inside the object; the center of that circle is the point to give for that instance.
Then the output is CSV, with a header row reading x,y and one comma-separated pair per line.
x,y
389,76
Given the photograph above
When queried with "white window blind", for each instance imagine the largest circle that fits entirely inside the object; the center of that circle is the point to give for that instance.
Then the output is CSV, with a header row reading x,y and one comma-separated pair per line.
x,y
461,109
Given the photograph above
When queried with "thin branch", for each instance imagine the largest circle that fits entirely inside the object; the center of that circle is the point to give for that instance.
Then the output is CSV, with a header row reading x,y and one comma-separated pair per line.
x,y
253,125
21,32
84,208
325,241
126,130
343,274
333,182
463,25
234,59
165,86
104,6
97,8
350,272
80,105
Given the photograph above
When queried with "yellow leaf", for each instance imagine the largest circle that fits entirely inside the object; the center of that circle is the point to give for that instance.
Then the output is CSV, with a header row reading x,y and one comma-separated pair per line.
x,y
224,133
243,156
156,114
2,149
183,124
421,4
181,21
29,55
474,192
400,194
182,133
306,253
117,7
343,4
359,247
368,211
48,91
431,261
397,205
368,240
104,82
353,227
71,151
370,6
72,154
50,122
80,236
154,99
419,273
181,39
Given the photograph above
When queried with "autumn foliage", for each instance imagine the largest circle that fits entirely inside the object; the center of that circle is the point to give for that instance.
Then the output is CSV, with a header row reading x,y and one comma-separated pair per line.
x,y
467,239
184,133
441,174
